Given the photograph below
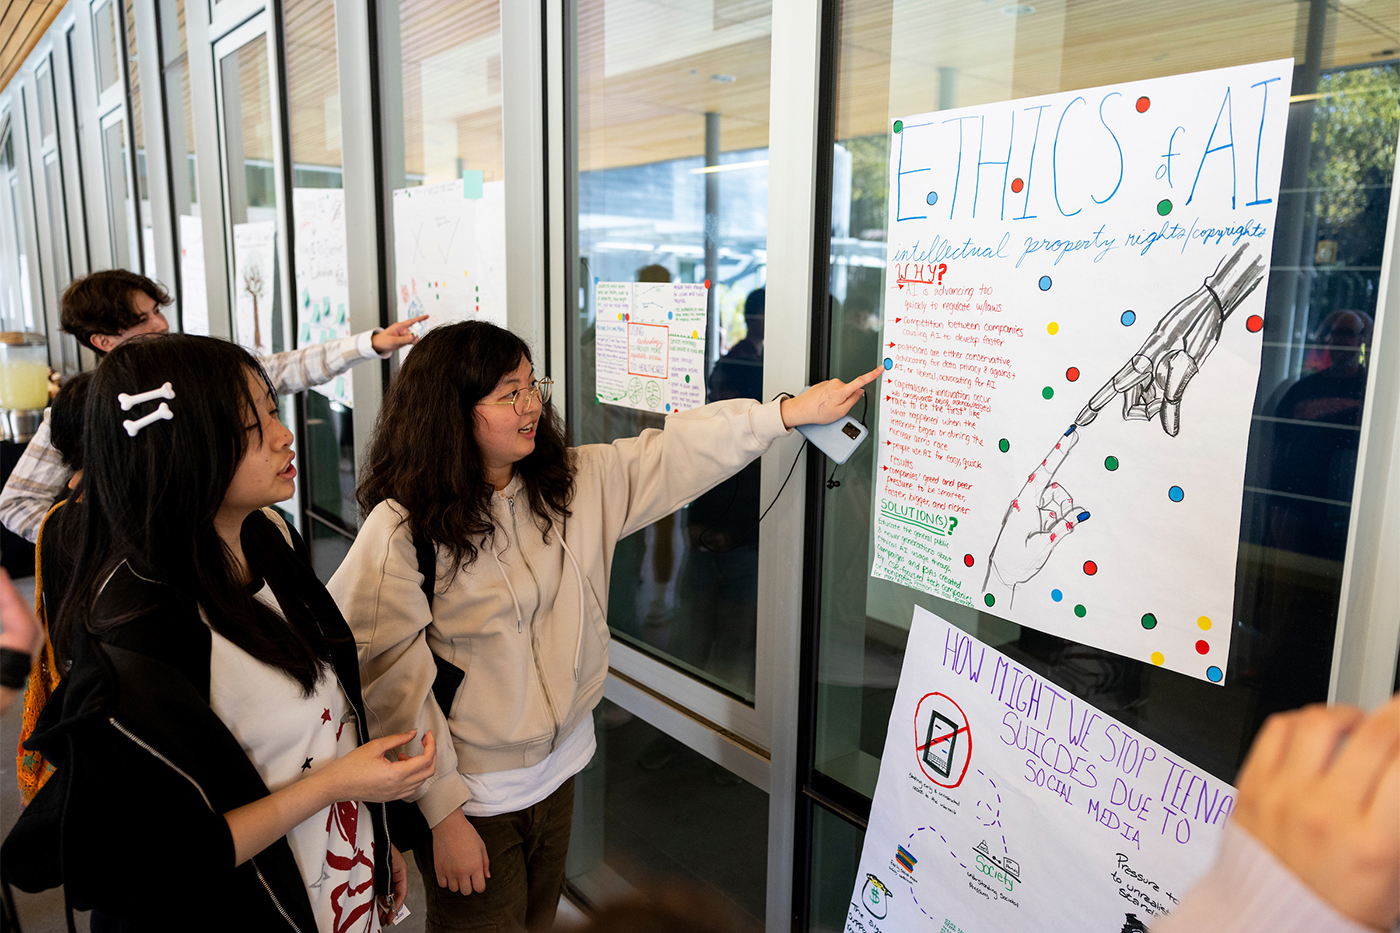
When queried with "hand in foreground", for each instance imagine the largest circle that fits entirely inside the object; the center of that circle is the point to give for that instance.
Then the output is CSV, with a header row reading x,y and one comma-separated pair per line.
x,y
826,401
459,855
396,335
19,630
365,774
1321,790
398,878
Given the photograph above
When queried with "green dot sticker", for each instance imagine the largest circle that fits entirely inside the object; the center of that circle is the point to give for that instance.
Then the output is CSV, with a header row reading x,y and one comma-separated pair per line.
x,y
990,600
1080,611
1047,393
898,126
687,379
1110,464
1164,207
1149,621
1003,445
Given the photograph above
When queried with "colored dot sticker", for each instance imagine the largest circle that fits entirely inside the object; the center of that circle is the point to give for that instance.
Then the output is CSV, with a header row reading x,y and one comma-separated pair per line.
x,y
932,197
1017,185
1080,611
1203,623
1157,658
1254,324
1052,328
889,363
687,378
1056,595
898,126
1176,494
1142,104
969,560
707,283
1045,283
670,316
1090,567
1047,393
1072,374
1202,646
1164,207
1110,463
989,599
1215,674
1003,445
1128,318
1149,621
668,406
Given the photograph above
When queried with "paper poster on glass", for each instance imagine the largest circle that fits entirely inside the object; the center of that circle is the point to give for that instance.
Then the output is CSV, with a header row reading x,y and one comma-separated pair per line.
x,y
1072,337
322,286
449,251
254,284
651,345
1005,803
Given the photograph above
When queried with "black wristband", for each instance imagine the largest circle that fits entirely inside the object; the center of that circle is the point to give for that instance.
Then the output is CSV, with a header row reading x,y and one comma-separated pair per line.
x,y
14,668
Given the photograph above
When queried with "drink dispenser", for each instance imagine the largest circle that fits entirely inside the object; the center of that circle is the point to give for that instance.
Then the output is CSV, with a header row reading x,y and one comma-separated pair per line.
x,y
24,383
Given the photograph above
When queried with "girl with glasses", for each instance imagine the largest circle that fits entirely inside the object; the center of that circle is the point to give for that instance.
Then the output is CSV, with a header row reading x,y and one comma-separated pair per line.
x,y
477,590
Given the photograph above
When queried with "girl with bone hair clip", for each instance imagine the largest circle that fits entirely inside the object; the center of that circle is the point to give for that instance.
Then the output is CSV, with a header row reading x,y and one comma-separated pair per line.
x,y
211,722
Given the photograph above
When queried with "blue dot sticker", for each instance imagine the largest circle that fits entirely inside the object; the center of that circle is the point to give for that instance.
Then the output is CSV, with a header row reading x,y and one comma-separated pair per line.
x,y
670,316
1176,494
1056,595
668,406
1215,674
889,363
1128,318
1045,283
932,197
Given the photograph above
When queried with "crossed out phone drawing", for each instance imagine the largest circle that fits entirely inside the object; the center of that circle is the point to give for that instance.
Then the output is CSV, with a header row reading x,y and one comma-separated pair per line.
x,y
938,746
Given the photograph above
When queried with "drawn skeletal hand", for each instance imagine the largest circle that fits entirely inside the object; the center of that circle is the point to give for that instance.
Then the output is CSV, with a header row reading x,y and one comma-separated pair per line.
x,y
1154,379
1041,516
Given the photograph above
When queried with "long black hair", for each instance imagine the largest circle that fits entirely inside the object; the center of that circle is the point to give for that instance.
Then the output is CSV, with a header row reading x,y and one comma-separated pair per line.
x,y
150,500
424,452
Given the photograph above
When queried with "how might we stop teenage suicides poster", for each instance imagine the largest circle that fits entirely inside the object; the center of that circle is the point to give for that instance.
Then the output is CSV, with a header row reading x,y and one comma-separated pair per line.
x,y
1072,336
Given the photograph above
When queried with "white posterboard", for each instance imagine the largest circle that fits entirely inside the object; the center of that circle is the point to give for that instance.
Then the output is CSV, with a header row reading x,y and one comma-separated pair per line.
x,y
1072,339
651,345
323,288
254,284
194,300
449,252
1004,803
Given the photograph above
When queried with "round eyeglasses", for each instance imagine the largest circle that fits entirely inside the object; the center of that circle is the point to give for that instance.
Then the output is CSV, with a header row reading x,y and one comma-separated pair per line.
x,y
520,398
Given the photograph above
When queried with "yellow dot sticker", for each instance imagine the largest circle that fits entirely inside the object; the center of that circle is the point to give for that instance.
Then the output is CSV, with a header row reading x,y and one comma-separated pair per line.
x,y
1204,623
619,315
1052,328
1158,659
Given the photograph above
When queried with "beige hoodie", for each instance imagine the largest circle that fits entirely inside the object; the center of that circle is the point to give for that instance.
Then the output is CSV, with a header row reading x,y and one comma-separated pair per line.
x,y
527,620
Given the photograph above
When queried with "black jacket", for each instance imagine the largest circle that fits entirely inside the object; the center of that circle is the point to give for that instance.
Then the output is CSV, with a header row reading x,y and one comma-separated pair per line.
x,y
132,819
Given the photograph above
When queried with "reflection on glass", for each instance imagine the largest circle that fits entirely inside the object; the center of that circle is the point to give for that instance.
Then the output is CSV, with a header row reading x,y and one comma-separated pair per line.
x,y
53,188
673,187
836,848
43,78
104,40
16,308
189,234
121,218
138,135
648,809
897,58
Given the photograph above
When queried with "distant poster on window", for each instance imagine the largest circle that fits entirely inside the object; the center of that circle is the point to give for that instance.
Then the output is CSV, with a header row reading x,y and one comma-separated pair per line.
x,y
194,299
449,251
651,345
254,284
322,288
1072,337
1005,803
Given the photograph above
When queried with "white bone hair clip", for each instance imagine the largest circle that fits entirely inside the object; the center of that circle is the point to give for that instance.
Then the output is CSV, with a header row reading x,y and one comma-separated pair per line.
x,y
163,413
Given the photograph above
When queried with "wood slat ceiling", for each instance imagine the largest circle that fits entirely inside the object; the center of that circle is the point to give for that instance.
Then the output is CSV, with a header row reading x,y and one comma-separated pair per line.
x,y
22,25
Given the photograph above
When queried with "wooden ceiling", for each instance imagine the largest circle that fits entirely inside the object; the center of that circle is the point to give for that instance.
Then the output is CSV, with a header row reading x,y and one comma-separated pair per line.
x,y
22,24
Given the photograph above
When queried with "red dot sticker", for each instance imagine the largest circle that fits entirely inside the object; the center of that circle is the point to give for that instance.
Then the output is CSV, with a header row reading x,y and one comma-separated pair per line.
x,y
968,559
1142,104
1072,374
1254,324
707,283
1090,567
1202,646
1017,185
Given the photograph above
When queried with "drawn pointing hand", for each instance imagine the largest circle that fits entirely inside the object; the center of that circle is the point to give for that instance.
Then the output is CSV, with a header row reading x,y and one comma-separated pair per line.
x,y
1155,378
1041,516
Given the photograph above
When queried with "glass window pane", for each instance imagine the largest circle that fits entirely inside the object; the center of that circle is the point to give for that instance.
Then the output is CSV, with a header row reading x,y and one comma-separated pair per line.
x,y
121,216
898,57
673,187
48,122
53,188
138,132
189,234
104,29
646,805
836,848
16,301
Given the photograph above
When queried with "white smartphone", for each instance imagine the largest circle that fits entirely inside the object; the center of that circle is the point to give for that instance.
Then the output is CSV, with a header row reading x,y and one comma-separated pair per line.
x,y
837,440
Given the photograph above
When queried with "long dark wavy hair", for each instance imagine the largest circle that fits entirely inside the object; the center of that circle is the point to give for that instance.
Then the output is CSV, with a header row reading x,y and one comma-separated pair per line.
x,y
150,501
424,452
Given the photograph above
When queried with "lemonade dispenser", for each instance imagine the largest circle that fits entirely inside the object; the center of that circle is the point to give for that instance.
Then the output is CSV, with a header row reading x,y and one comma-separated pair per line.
x,y
24,383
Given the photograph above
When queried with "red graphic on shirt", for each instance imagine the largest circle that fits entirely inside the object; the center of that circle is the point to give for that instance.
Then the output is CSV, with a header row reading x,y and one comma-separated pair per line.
x,y
325,715
349,902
